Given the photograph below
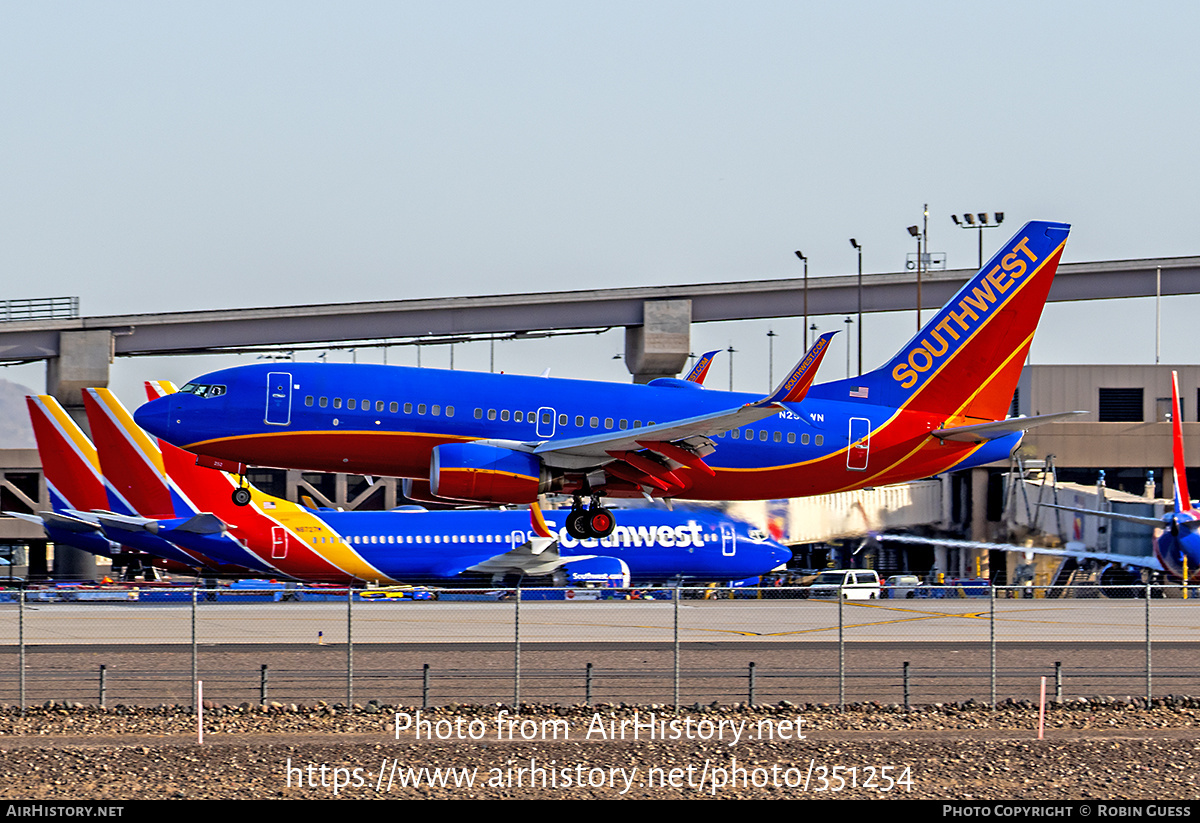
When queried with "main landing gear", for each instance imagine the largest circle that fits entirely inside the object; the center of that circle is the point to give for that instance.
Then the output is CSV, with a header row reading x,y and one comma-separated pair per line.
x,y
241,495
593,522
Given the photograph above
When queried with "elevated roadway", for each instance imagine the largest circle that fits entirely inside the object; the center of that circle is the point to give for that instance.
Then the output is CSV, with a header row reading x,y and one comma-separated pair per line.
x,y
657,318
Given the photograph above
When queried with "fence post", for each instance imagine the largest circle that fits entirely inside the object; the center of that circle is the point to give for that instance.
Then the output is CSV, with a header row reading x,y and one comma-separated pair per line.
x,y
992,637
675,678
517,650
425,686
587,686
103,683
1149,689
349,647
907,688
841,652
751,679
195,667
262,685
21,646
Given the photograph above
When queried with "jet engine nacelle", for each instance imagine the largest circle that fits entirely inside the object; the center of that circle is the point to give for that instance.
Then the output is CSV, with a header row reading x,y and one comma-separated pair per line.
x,y
603,572
418,491
485,473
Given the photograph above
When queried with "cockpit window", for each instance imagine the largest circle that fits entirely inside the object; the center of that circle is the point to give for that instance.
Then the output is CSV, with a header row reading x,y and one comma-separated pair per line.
x,y
203,390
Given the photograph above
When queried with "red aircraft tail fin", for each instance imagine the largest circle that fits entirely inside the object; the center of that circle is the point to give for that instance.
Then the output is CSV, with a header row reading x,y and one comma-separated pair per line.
x,y
964,363
1183,501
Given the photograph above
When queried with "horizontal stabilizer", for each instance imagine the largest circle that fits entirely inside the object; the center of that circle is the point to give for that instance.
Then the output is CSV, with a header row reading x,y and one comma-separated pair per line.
x,y
71,522
982,432
35,519
203,523
126,522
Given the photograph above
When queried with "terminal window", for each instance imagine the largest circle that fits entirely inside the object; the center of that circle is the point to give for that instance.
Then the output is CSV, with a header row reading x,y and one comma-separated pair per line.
x,y
1121,406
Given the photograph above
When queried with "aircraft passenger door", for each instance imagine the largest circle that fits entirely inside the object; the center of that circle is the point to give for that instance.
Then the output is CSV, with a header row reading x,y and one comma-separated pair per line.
x,y
278,542
860,444
517,539
728,540
279,398
545,422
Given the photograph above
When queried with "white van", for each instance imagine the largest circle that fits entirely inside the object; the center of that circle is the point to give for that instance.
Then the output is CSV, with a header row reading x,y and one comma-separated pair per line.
x,y
854,584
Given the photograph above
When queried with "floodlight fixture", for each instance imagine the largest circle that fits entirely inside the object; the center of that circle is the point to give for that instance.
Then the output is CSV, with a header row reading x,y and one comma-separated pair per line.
x,y
979,221
804,260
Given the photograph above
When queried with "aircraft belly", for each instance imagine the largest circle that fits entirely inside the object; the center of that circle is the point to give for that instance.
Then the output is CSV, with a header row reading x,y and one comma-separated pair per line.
x,y
385,454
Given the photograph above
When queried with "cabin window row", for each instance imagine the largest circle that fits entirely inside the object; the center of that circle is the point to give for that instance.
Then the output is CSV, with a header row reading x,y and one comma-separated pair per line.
x,y
505,415
424,538
763,435
434,410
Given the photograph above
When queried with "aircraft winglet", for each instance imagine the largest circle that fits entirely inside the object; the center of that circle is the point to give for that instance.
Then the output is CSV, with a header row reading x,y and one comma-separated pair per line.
x,y
800,379
538,522
700,370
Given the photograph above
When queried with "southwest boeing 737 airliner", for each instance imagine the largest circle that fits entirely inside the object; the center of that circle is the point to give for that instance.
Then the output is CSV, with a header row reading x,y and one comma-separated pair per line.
x,y
937,405
190,506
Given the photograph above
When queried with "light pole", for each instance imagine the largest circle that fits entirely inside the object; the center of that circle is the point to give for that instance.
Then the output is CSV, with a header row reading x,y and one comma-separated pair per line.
x,y
848,321
855,244
731,351
915,231
805,261
771,359
969,222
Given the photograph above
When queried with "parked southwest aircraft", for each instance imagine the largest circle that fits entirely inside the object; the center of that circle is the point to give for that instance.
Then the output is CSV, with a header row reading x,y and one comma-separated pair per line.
x,y
190,506
1177,537
76,485
938,405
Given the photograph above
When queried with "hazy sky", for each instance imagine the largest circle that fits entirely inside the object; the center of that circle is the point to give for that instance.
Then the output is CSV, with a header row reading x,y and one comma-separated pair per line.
x,y
170,156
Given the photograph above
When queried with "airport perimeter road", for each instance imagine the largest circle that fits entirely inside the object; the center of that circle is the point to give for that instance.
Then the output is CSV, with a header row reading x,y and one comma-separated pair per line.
x,y
728,621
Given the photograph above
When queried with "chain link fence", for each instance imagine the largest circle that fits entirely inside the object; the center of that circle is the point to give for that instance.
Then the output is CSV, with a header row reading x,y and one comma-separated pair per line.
x,y
674,646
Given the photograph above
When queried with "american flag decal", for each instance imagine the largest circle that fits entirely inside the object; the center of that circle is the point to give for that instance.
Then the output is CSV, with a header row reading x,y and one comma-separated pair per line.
x,y
858,391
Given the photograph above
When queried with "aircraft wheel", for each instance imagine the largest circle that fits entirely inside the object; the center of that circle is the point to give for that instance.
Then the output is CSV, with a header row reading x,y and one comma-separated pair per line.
x,y
241,496
577,524
600,522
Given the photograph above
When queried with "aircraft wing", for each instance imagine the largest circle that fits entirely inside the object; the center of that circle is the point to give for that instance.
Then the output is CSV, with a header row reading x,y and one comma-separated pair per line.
x,y
537,557
1152,522
202,523
981,432
69,521
584,452
58,521
1083,553
647,456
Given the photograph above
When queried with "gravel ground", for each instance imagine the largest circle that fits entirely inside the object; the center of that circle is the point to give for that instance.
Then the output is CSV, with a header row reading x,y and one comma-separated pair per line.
x,y
1093,749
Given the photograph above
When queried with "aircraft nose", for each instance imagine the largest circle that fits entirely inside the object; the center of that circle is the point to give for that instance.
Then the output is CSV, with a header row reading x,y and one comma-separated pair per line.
x,y
781,555
154,417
